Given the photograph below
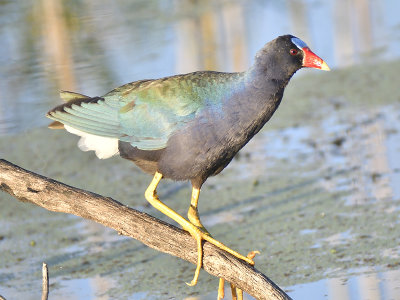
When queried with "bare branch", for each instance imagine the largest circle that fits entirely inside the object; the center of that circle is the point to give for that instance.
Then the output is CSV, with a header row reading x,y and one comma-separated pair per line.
x,y
45,282
56,196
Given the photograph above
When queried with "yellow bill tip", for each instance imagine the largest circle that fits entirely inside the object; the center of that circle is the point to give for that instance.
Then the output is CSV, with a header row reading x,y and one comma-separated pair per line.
x,y
325,67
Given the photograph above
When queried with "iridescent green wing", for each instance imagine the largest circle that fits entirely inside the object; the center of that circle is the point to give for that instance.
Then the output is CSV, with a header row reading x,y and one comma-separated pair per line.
x,y
150,111
146,113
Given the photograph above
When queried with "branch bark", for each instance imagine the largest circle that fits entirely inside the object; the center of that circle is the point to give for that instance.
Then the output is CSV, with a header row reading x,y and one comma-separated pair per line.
x,y
56,196
45,282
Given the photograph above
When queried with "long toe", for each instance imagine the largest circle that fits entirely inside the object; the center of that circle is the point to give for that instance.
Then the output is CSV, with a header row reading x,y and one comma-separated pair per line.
x,y
237,294
197,234
227,249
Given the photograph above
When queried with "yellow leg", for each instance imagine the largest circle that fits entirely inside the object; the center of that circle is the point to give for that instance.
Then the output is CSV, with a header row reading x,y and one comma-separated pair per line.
x,y
193,213
194,218
233,291
237,294
221,290
198,234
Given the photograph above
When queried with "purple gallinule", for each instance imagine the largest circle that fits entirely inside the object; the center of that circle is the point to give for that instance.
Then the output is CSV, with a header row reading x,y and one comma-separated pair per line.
x,y
186,127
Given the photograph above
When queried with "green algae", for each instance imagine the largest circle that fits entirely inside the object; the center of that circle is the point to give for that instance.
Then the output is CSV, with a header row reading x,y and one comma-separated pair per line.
x,y
313,206
367,85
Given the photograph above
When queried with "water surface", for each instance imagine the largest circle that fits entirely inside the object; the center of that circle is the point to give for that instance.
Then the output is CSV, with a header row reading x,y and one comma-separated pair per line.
x,y
317,191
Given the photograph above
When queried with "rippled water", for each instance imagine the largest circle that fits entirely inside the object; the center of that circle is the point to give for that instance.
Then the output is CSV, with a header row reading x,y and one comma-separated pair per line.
x,y
317,191
94,46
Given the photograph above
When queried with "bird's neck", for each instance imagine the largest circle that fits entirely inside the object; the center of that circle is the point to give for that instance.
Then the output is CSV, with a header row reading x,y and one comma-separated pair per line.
x,y
262,93
269,77
251,104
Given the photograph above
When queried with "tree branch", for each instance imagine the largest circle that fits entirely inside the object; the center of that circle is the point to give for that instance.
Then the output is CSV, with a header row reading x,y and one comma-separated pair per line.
x,y
45,282
56,196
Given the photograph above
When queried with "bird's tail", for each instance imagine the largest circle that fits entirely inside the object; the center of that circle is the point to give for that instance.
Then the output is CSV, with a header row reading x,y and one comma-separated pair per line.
x,y
66,96
91,118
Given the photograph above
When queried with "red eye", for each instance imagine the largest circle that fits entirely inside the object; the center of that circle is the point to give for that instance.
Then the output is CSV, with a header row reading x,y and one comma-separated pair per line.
x,y
293,51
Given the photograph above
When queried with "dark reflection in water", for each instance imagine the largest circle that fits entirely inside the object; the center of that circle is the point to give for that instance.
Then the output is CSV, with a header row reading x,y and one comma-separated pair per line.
x,y
94,46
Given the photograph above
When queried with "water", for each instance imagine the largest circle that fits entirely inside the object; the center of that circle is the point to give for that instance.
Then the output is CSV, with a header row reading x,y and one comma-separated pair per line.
x,y
317,191
94,46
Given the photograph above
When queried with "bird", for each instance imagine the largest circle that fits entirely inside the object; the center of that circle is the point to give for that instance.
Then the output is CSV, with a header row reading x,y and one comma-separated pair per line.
x,y
186,127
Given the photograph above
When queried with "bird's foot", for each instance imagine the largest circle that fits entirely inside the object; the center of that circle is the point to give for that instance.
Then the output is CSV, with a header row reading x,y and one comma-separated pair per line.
x,y
194,218
237,294
199,235
196,230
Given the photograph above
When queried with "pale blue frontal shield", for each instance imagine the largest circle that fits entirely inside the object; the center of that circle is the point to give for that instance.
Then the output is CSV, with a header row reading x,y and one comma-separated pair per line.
x,y
299,43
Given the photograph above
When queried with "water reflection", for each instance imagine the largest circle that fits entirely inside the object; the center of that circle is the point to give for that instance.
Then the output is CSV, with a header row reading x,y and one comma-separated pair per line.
x,y
373,286
57,51
212,40
93,46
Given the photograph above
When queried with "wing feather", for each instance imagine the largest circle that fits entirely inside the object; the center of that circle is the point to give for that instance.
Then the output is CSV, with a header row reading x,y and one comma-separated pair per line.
x,y
144,113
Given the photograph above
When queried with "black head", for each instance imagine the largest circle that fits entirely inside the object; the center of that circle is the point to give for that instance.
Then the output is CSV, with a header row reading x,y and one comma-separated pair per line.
x,y
283,56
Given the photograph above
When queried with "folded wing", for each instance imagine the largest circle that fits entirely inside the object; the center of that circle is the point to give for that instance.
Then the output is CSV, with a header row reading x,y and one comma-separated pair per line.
x,y
144,113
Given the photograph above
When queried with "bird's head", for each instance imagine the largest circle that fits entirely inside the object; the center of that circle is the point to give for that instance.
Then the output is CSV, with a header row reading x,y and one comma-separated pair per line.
x,y
287,54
